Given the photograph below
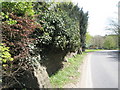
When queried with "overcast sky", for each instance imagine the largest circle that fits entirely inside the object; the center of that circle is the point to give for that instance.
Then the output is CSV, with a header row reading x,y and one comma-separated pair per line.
x,y
100,14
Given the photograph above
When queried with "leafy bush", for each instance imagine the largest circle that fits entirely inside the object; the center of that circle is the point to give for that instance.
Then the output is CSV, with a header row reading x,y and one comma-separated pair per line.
x,y
77,14
28,28
17,36
59,30
18,8
5,56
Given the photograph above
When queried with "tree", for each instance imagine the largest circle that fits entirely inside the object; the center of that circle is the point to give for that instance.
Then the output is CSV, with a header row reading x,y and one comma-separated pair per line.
x,y
79,16
114,27
97,41
110,42
83,23
88,39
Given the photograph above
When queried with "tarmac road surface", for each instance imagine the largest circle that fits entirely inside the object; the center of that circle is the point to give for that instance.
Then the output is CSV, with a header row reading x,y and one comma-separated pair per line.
x,y
101,70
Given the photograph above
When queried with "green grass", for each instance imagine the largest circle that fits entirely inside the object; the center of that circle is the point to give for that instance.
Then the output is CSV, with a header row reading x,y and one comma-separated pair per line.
x,y
69,73
92,50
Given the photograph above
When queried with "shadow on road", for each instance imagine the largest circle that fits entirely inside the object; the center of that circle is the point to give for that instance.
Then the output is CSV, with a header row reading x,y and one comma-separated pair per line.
x,y
113,55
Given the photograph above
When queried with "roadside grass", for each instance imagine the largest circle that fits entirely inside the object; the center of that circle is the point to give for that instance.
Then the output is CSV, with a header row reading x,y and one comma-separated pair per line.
x,y
69,73
92,50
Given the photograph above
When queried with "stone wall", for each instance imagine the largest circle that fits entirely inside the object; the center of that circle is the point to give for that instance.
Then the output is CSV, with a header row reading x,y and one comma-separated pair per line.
x,y
36,79
42,77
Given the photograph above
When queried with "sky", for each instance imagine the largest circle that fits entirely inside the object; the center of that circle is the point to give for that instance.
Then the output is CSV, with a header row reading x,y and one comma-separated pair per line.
x,y
101,12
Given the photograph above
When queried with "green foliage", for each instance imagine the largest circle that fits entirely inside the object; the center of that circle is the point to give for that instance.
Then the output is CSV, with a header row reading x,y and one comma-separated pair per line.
x,y
11,22
5,17
18,8
83,23
72,10
40,7
110,42
59,30
4,53
88,39
77,14
60,27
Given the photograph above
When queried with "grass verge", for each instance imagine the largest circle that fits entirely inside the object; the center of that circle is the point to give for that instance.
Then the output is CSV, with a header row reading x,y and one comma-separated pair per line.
x,y
69,73
92,50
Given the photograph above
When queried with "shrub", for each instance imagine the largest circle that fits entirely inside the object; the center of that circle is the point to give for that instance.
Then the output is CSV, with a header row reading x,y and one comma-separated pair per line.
x,y
18,8
5,56
59,30
17,36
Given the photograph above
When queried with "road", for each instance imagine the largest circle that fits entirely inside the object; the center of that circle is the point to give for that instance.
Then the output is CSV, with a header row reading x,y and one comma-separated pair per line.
x,y
100,70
